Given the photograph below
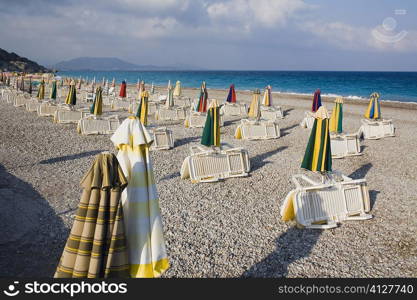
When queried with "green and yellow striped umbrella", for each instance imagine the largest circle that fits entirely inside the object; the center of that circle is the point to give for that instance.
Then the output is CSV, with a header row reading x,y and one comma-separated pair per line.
x,y
374,108
142,112
170,98
97,106
211,131
53,90
336,120
72,96
254,108
318,155
41,90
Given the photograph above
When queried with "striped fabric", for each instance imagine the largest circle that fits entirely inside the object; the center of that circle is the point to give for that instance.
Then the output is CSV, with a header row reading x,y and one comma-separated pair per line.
x,y
53,90
318,156
231,97
316,101
202,101
96,246
211,131
336,120
254,108
72,95
97,106
267,100
143,223
142,112
41,91
374,108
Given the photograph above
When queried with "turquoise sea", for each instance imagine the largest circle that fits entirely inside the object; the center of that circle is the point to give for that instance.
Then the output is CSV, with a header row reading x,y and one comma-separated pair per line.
x,y
395,86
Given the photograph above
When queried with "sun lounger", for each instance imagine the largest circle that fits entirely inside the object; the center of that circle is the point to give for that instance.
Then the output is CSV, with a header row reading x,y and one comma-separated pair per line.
x,y
64,115
323,206
308,120
234,109
196,119
271,113
32,105
20,101
344,145
89,97
170,114
118,104
373,130
47,109
257,130
213,165
90,125
163,139
182,101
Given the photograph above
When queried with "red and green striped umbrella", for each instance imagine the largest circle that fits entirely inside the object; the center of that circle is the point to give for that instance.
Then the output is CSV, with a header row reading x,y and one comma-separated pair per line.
x,y
316,101
318,155
211,131
202,101
231,97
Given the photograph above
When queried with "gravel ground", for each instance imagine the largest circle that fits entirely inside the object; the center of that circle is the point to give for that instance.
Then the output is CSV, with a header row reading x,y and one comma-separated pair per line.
x,y
230,228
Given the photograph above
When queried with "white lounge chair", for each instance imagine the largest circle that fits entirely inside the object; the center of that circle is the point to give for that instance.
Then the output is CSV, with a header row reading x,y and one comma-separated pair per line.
x,y
89,97
182,101
47,109
90,125
118,104
208,165
271,113
308,120
170,114
162,139
257,130
64,115
234,109
376,129
20,101
323,206
197,119
32,105
344,145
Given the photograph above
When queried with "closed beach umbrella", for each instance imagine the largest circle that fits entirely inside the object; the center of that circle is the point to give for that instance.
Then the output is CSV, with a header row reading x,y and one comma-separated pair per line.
x,y
41,90
96,246
254,108
202,101
318,155
267,100
138,84
142,217
79,83
170,98
30,86
336,120
53,90
374,108
316,101
97,106
231,97
211,131
22,84
169,84
177,90
72,94
113,83
122,93
142,112
141,89
152,88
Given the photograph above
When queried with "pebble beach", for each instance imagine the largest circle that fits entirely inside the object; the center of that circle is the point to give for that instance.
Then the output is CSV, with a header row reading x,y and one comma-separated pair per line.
x,y
230,228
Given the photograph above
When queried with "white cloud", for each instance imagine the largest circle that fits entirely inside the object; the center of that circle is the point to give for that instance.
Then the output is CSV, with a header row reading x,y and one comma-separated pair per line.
x,y
264,13
350,37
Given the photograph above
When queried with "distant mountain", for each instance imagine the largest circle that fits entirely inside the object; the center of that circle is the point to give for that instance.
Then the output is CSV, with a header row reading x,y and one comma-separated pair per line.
x,y
111,64
15,63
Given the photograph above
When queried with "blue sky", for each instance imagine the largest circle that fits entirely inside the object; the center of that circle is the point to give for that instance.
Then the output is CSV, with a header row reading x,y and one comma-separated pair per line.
x,y
218,34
